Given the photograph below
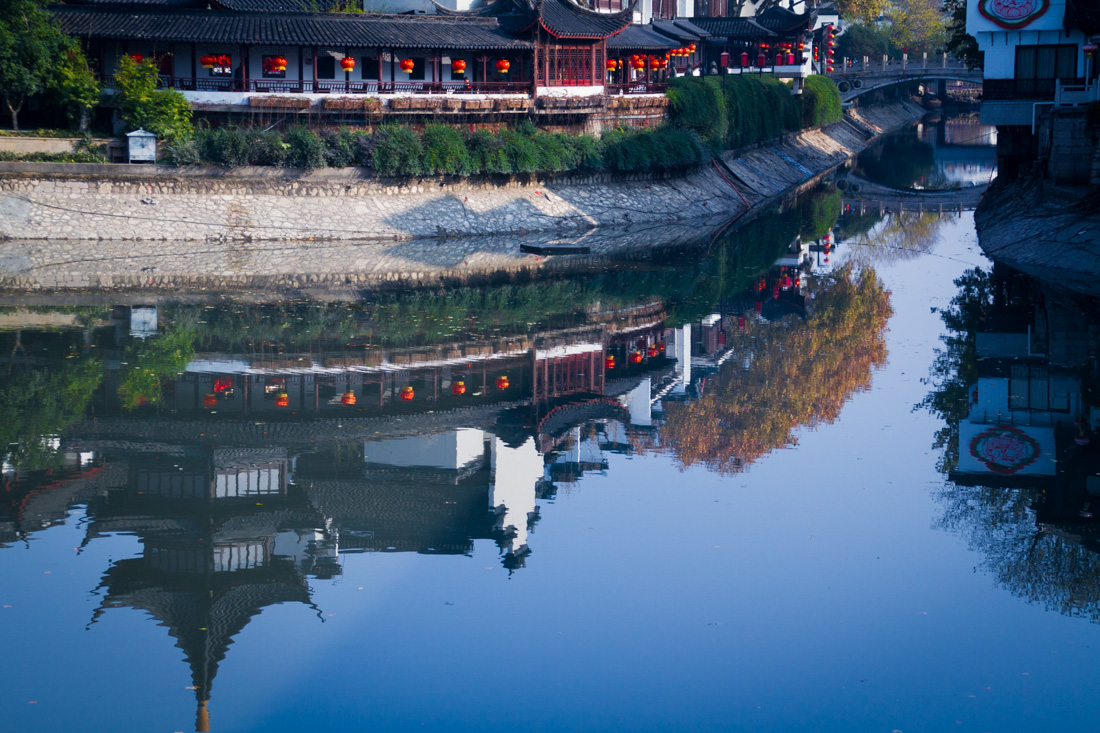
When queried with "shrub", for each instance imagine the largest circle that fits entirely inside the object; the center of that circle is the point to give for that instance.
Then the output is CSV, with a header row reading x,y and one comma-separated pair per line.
x,y
267,148
521,151
628,150
227,146
305,148
184,152
341,148
397,151
164,112
820,102
445,151
587,152
697,103
487,153
364,148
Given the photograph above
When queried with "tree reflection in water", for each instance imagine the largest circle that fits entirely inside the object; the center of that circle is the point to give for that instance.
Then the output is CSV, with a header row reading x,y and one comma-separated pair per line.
x,y
1035,533
784,375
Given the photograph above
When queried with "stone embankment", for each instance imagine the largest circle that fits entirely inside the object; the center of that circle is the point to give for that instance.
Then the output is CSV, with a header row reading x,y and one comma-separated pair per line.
x,y
1049,232
137,227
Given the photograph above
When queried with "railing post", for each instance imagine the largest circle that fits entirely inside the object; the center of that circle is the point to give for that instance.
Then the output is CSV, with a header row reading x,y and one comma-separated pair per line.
x,y
844,61
945,59
904,61
865,60
924,60
884,62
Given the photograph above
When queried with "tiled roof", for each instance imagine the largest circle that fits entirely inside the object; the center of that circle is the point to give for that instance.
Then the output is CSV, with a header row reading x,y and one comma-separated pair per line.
x,y
275,6
675,32
637,37
565,19
732,27
290,29
781,20
690,27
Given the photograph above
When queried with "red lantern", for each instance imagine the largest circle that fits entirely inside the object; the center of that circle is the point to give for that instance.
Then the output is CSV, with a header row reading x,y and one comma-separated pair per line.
x,y
406,394
635,357
348,398
407,65
223,385
210,400
503,65
661,346
829,69
654,63
691,48
137,58
282,400
652,352
458,388
610,363
502,383
638,62
458,66
207,61
611,64
347,64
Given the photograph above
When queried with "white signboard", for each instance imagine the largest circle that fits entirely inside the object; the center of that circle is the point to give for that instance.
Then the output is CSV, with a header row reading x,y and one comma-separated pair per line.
x,y
1006,450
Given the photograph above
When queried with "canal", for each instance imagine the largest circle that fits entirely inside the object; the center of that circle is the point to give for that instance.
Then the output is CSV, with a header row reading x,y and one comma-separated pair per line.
x,y
831,470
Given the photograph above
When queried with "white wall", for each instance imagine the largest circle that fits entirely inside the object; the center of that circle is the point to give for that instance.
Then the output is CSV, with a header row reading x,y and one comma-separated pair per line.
x,y
451,450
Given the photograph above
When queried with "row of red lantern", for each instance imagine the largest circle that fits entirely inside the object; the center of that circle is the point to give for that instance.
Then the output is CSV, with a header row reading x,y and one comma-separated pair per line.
x,y
830,43
685,51
655,63
406,394
636,356
220,61
274,64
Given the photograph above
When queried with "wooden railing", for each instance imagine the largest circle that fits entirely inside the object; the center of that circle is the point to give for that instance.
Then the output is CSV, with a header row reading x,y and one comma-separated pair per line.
x,y
308,86
638,87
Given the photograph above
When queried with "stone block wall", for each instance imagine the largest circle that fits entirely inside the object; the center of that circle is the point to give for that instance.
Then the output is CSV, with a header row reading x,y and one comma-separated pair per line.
x,y
1072,146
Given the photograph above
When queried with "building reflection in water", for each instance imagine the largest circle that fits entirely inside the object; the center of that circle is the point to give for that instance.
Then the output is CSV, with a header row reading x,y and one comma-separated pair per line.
x,y
1023,463
249,473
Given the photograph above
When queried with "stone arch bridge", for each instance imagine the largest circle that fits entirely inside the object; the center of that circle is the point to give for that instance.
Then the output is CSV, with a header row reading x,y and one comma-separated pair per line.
x,y
858,77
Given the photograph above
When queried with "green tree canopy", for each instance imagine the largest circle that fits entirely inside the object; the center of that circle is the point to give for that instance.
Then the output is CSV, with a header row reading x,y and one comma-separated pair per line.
x,y
164,112
36,57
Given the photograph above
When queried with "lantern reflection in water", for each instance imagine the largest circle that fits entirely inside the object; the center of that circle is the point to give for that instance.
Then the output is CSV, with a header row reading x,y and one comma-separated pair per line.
x,y
406,394
458,388
502,383
348,398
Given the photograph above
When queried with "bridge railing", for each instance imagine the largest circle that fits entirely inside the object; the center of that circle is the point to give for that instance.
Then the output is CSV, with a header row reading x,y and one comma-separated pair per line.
x,y
898,66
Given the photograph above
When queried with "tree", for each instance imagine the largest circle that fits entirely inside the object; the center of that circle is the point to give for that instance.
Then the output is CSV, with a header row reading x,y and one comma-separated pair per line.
x,y
785,374
959,42
917,24
79,89
35,57
164,112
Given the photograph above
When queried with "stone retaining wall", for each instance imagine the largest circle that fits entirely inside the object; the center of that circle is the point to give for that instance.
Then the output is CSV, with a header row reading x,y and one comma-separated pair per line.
x,y
261,229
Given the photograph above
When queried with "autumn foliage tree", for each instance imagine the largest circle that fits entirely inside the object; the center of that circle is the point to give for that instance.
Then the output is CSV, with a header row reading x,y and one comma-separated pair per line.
x,y
784,375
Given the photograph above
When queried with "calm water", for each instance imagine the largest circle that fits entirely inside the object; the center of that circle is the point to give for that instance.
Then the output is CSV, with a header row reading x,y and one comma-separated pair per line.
x,y
760,485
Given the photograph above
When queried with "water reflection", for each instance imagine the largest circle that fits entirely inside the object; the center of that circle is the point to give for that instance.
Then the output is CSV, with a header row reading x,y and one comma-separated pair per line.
x,y
1015,384
937,153
248,447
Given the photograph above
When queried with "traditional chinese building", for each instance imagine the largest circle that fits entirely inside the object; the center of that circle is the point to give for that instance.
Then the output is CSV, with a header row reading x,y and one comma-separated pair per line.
x,y
1039,63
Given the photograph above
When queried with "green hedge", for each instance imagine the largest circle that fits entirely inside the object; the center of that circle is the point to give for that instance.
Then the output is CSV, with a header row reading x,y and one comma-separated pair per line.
x,y
733,110
399,151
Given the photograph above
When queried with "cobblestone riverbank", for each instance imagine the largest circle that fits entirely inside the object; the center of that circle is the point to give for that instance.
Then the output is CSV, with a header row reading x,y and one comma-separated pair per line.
x,y
139,227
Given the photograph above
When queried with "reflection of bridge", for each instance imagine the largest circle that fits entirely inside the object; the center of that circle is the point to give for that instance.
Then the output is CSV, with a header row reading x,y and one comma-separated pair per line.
x,y
857,77
901,205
